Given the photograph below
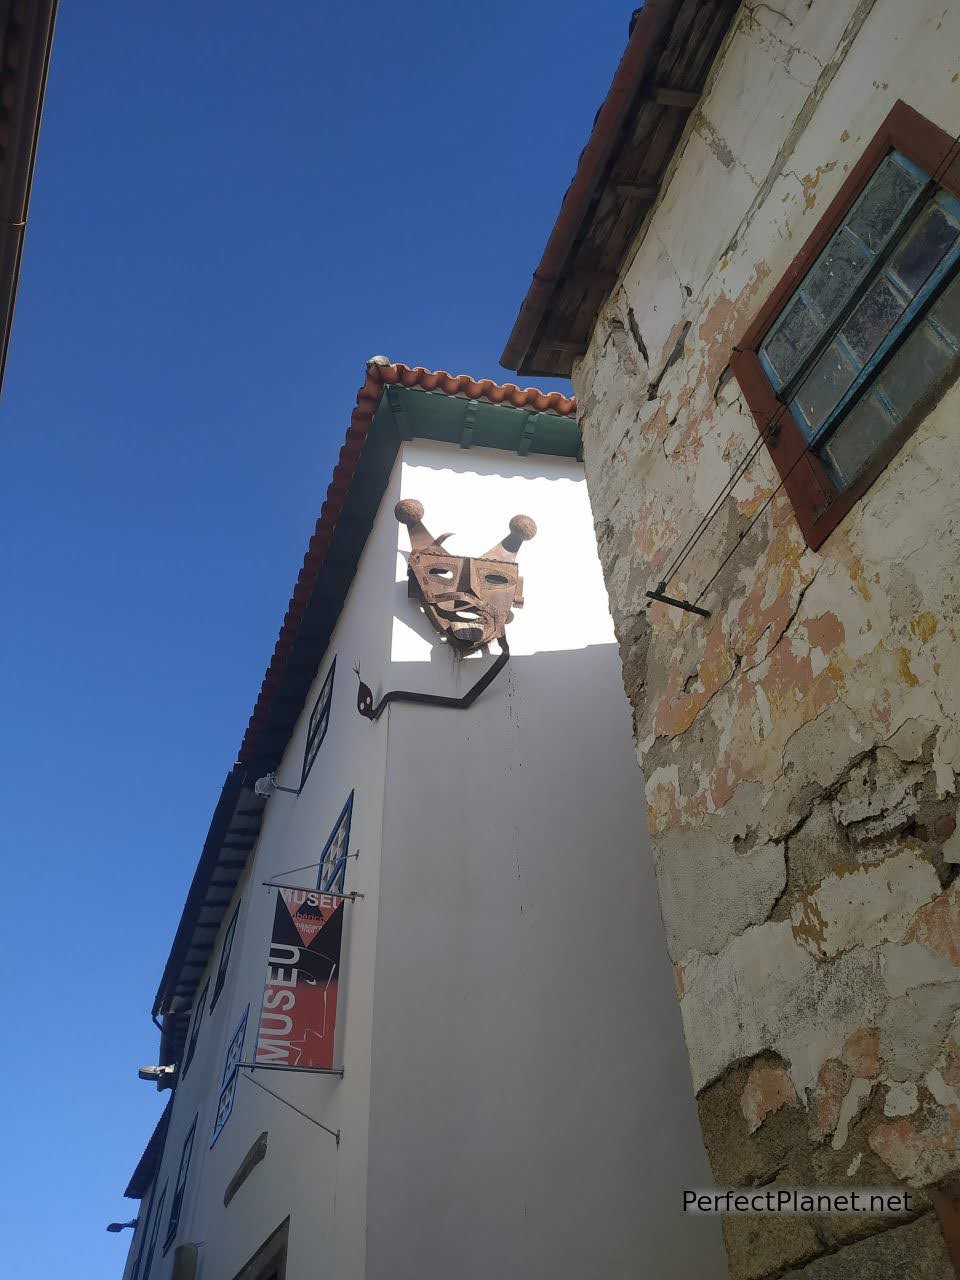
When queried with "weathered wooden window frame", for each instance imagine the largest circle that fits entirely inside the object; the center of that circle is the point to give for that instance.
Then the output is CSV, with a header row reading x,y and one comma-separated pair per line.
x,y
155,1232
228,1078
804,476
270,1260
194,1035
336,877
318,723
225,952
180,1186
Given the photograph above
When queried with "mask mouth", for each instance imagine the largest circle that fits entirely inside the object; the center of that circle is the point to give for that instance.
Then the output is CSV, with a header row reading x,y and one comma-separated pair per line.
x,y
466,620
466,633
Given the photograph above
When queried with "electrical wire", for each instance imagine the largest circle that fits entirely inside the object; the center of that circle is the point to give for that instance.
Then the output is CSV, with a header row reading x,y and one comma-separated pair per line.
x,y
334,1133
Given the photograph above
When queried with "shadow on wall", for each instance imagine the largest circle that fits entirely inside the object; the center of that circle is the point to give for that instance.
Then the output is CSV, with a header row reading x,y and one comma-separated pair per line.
x,y
518,888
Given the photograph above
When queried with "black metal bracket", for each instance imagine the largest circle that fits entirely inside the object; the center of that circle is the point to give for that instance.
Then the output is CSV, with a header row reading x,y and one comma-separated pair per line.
x,y
677,604
370,712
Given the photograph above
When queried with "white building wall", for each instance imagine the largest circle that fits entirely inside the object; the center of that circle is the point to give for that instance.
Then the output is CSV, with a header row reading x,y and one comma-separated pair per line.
x,y
304,1174
516,1091
530,1114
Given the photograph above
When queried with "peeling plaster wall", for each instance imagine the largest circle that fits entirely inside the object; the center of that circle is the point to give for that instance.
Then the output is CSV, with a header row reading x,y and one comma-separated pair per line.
x,y
800,746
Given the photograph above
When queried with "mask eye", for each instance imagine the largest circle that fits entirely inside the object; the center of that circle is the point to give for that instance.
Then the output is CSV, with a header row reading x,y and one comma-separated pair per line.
x,y
496,579
441,571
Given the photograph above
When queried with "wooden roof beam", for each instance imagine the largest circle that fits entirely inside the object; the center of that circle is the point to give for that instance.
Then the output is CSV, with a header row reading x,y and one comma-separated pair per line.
x,y
683,99
638,190
588,279
564,348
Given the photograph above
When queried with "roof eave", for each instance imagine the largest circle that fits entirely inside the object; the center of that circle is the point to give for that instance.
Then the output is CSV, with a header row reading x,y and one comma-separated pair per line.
x,y
593,164
29,79
149,1162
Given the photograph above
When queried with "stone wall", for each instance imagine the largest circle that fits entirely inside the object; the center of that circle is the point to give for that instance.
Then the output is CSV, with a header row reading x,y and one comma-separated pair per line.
x,y
800,746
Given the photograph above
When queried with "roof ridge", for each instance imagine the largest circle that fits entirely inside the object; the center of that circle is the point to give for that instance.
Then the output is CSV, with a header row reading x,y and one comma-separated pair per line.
x,y
473,388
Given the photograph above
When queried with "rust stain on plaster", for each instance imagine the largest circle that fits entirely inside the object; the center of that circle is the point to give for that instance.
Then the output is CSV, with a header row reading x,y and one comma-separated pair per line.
x,y
861,1053
826,1098
653,536
808,925
825,632
721,325
907,675
768,1089
672,340
679,709
755,619
950,1070
937,926
858,578
810,182
750,506
897,1143
923,1151
924,625
663,808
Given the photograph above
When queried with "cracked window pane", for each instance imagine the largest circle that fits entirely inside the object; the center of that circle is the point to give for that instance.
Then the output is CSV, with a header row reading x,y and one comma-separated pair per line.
x,y
946,313
821,391
835,274
794,337
919,364
924,248
888,197
880,270
857,439
925,358
873,319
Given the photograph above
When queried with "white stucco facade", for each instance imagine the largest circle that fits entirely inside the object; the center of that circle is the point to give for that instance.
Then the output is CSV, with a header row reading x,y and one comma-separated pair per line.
x,y
516,1099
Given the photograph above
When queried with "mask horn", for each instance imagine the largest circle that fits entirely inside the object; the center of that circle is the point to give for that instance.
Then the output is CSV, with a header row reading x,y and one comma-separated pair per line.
x,y
410,512
522,529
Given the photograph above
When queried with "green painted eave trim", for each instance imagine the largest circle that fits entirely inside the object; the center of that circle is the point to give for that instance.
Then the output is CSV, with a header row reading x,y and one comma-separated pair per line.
x,y
430,415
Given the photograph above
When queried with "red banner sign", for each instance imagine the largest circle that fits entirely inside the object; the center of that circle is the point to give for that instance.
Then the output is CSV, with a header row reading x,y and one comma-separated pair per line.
x,y
299,1012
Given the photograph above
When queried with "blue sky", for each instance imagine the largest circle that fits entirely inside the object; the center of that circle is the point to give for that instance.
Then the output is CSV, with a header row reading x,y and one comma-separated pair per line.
x,y
234,205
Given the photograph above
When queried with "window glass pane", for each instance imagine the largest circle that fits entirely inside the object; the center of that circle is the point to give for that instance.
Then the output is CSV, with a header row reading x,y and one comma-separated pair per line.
x,y
874,317
919,363
225,1105
333,859
922,360
857,438
887,198
195,1029
318,724
924,246
224,958
794,336
835,273
235,1047
947,312
894,250
824,385
886,202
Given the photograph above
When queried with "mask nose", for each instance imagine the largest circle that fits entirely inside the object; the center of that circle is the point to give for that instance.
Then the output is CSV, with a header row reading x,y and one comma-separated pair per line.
x,y
465,592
